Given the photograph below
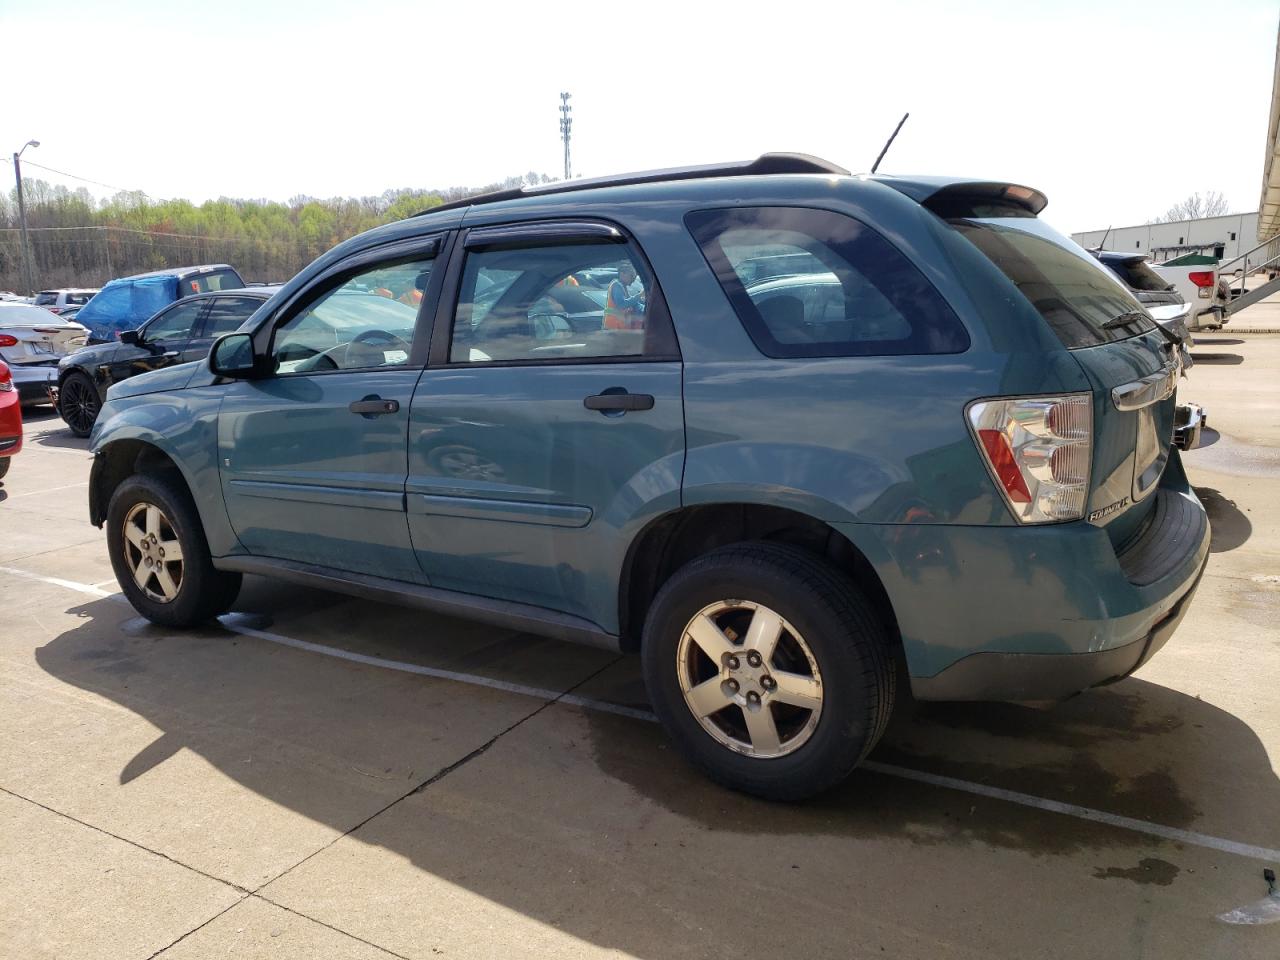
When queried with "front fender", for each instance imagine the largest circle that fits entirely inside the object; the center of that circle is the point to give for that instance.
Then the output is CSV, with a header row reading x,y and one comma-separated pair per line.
x,y
183,426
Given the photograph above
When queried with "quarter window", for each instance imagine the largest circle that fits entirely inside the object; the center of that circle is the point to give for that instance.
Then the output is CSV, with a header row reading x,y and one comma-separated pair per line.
x,y
558,302
364,323
814,283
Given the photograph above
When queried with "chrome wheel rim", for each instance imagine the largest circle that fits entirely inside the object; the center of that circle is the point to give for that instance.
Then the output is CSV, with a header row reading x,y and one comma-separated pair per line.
x,y
153,553
749,678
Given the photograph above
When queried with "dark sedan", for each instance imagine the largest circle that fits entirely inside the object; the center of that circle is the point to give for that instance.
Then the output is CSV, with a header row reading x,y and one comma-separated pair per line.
x,y
179,333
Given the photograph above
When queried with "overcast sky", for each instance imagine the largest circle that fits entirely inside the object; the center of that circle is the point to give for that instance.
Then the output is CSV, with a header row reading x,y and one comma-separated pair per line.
x,y
1114,109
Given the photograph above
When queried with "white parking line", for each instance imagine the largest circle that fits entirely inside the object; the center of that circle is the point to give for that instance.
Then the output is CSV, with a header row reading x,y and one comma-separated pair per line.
x,y
235,623
36,493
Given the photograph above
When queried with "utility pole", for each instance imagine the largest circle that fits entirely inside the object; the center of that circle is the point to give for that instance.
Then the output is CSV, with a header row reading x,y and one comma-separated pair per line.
x,y
566,124
28,266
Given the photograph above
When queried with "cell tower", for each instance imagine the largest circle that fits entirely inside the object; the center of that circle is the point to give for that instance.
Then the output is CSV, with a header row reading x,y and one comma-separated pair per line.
x,y
566,125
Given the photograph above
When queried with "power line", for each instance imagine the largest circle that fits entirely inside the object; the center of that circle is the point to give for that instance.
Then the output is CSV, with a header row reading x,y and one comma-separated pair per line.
x,y
142,233
98,183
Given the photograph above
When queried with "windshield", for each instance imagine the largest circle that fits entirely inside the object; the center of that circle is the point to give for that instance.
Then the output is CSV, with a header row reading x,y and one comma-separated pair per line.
x,y
1080,300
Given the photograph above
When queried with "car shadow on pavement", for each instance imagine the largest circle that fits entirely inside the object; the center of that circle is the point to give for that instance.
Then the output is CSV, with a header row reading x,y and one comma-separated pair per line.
x,y
585,783
1223,359
1229,527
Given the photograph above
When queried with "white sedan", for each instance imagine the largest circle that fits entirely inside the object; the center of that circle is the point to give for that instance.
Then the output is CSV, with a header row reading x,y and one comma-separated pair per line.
x,y
32,341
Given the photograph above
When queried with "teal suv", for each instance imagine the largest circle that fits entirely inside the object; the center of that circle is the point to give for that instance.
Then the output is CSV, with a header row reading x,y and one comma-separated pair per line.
x,y
795,437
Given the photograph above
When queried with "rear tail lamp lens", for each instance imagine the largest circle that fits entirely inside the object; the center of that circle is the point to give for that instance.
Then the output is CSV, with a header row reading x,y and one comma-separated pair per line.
x,y
6,380
1201,278
1038,451
7,340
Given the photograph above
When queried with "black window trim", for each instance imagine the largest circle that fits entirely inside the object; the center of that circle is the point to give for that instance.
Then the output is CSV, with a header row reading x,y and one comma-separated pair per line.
x,y
753,322
542,233
436,247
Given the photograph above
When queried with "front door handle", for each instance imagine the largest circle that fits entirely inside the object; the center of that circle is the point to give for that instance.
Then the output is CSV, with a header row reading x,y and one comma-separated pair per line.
x,y
618,399
374,406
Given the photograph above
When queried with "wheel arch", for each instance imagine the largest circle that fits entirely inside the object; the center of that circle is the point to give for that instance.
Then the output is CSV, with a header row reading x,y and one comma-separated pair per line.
x,y
116,461
669,541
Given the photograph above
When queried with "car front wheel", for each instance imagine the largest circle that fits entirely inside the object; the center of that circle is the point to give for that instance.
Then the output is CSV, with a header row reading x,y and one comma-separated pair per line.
x,y
160,555
769,669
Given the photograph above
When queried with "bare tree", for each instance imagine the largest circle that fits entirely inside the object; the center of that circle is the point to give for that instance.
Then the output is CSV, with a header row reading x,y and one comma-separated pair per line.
x,y
1212,204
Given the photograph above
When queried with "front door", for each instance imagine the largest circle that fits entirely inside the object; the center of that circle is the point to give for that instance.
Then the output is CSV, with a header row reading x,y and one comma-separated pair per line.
x,y
313,458
539,446
161,340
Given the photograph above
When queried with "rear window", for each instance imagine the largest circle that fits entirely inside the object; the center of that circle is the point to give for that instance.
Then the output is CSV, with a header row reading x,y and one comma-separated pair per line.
x,y
46,298
1077,296
1138,276
205,283
815,283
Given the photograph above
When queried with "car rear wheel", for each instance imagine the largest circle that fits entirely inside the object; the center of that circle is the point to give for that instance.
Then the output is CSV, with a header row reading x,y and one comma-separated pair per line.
x,y
160,555
769,669
78,403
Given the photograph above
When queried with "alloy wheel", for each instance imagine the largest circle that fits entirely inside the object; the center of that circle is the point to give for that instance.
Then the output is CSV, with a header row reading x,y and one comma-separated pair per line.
x,y
153,553
749,678
78,404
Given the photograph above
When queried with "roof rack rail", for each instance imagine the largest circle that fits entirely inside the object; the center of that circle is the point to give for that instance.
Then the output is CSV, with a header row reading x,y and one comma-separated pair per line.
x,y
765,164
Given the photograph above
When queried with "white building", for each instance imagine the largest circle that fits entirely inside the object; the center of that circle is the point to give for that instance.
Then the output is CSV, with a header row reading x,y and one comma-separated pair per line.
x,y
1222,237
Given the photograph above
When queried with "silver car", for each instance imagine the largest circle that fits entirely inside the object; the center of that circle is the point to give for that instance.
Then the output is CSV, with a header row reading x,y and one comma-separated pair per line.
x,y
32,341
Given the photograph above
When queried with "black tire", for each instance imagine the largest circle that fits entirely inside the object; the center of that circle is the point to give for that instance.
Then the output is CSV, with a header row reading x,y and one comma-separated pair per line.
x,y
4,466
848,641
79,403
202,591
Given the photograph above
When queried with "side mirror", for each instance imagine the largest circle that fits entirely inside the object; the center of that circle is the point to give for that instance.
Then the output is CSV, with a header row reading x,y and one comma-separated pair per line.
x,y
232,356
130,337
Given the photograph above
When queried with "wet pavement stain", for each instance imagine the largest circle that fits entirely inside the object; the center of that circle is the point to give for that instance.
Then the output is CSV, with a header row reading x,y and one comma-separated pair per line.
x,y
1149,870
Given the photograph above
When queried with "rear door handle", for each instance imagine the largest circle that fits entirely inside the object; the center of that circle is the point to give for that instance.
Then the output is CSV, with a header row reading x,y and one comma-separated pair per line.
x,y
619,400
374,406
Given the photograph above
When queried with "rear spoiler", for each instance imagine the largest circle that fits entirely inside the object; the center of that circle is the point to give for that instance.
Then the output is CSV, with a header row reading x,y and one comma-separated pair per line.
x,y
948,196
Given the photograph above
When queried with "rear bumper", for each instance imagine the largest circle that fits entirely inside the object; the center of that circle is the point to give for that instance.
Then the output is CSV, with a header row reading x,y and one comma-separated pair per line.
x,y
1188,425
1050,676
1002,612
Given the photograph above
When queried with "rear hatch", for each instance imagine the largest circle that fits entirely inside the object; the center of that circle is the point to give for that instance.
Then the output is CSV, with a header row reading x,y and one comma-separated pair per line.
x,y
1129,362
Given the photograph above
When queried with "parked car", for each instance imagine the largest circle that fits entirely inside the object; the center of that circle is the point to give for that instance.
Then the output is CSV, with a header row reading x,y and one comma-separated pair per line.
x,y
1168,309
1195,277
60,301
125,303
181,332
10,419
963,476
32,340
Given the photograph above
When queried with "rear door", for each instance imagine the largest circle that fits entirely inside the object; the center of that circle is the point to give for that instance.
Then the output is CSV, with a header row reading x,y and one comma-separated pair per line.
x,y
536,445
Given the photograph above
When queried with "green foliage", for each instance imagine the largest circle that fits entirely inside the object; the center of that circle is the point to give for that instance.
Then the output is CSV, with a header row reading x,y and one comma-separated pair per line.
x,y
79,242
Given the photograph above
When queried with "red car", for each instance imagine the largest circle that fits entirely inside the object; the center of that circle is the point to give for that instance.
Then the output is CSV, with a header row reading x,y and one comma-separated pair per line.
x,y
10,419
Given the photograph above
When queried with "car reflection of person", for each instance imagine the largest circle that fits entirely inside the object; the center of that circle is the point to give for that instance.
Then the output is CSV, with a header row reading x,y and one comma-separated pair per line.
x,y
622,312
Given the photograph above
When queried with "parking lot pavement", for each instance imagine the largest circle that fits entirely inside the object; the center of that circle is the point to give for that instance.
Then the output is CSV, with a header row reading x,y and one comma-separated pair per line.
x,y
319,776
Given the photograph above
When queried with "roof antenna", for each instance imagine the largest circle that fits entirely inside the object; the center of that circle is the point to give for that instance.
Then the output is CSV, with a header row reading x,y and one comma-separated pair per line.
x,y
887,145
1103,242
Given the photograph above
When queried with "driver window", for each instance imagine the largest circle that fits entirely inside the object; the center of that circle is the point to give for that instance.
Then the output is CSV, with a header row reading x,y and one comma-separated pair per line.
x,y
367,322
176,323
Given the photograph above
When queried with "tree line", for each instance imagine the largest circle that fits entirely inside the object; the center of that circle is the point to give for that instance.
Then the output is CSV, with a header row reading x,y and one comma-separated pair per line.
x,y
77,241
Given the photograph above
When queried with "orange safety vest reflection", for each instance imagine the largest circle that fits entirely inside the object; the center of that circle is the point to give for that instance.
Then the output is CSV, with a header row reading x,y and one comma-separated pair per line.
x,y
618,317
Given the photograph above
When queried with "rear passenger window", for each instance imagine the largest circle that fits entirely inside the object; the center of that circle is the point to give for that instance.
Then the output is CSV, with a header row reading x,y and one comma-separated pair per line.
x,y
228,313
559,302
813,283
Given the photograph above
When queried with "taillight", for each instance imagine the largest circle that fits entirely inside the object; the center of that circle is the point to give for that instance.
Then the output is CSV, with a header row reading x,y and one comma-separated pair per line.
x,y
1201,278
6,379
8,340
1038,450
